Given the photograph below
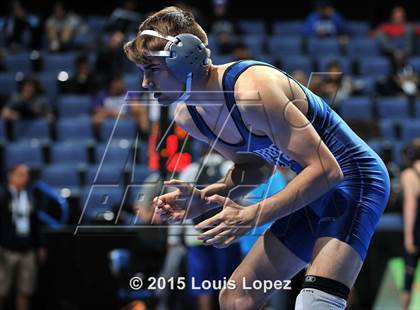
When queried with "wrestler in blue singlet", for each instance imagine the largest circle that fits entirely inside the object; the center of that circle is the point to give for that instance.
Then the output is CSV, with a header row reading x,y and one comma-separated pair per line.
x,y
348,212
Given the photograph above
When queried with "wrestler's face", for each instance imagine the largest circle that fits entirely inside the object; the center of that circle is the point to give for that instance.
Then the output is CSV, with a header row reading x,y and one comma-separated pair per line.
x,y
157,78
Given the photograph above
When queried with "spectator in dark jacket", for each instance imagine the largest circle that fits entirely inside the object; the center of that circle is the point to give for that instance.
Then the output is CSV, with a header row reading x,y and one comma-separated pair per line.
x,y
29,103
19,238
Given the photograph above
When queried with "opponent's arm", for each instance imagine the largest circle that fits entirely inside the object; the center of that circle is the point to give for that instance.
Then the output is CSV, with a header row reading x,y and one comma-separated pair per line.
x,y
409,208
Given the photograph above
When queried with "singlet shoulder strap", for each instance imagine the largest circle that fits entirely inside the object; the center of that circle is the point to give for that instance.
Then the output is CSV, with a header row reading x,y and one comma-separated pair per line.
x,y
229,80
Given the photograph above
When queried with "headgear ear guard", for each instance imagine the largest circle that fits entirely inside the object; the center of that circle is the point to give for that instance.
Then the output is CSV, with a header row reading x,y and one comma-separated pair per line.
x,y
184,54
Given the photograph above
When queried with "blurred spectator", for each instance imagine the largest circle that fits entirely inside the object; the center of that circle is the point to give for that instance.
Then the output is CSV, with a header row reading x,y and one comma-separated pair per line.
x,y
403,80
324,22
410,184
223,27
241,52
396,37
109,102
315,84
84,80
125,18
335,85
29,103
17,25
111,58
61,28
19,238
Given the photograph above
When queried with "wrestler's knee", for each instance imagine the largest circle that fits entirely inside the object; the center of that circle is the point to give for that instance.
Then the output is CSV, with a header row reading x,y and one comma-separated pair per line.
x,y
235,299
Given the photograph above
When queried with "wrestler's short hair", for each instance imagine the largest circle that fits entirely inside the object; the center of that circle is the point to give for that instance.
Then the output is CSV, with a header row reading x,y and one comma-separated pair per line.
x,y
168,21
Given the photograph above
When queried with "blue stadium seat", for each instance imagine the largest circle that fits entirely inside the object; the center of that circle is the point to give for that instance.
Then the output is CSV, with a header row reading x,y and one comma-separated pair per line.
x,y
219,59
288,28
74,153
254,43
357,28
18,62
417,108
142,152
30,154
99,202
281,45
97,23
74,105
374,66
324,47
132,81
387,128
292,63
376,145
362,47
124,129
410,129
49,83
397,147
252,26
139,173
114,154
63,175
74,129
415,62
108,174
24,130
345,63
54,63
8,83
212,45
3,136
265,58
136,192
393,107
367,84
357,108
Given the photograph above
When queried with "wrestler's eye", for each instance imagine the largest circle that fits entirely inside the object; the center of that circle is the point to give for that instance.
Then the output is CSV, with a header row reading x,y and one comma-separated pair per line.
x,y
155,69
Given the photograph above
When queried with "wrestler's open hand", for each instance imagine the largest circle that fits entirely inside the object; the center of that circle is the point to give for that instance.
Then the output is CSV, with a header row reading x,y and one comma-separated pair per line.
x,y
185,202
229,224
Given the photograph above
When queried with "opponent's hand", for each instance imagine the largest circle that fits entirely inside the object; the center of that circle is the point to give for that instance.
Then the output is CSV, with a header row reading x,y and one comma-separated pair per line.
x,y
229,224
185,202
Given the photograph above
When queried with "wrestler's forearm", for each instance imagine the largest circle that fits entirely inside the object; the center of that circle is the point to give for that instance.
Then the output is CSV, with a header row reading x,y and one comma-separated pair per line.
x,y
305,188
240,180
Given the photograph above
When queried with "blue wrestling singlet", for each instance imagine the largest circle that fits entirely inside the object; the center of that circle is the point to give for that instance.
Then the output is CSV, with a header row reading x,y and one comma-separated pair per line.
x,y
348,212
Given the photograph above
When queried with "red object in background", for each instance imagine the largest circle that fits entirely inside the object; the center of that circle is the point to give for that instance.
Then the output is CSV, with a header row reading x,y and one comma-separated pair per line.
x,y
176,161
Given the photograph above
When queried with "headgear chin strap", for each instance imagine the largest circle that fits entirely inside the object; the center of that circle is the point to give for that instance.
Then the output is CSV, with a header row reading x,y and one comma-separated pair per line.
x,y
186,58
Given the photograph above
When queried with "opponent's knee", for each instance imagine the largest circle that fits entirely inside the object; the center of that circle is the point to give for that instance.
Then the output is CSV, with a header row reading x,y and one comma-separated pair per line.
x,y
320,293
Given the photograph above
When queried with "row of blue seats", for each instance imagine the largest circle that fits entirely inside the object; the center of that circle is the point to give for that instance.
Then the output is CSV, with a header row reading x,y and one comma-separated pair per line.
x,y
389,149
67,175
50,82
277,45
364,108
296,45
354,27
375,66
111,203
75,153
68,130
368,68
